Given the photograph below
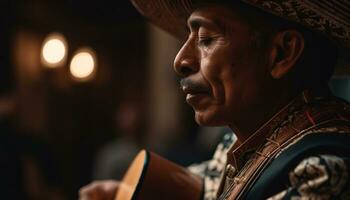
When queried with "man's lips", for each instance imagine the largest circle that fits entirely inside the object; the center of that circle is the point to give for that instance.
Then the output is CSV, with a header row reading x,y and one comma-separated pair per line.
x,y
195,92
195,99
191,87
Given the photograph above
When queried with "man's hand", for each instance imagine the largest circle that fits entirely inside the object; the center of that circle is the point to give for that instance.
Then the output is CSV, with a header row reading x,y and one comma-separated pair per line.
x,y
99,190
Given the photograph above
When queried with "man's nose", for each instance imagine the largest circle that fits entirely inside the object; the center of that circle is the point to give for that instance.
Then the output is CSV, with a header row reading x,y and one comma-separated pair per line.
x,y
186,61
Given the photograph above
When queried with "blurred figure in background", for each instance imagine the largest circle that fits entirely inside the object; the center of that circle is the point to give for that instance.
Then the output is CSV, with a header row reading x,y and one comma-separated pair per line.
x,y
113,159
11,181
28,168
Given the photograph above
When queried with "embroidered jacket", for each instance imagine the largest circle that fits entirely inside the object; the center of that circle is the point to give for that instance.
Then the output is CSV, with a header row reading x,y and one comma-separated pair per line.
x,y
303,152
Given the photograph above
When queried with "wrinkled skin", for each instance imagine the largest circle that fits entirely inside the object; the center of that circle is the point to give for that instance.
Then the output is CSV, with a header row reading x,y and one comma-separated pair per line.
x,y
227,79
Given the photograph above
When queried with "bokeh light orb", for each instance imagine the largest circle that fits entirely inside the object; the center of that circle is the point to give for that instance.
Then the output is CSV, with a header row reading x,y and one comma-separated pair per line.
x,y
83,65
54,50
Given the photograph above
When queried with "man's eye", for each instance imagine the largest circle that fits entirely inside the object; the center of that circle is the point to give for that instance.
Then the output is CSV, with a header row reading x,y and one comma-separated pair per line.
x,y
205,41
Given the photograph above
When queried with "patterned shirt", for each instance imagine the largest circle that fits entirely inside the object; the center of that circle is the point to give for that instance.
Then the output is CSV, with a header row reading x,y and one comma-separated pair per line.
x,y
212,170
319,173
315,177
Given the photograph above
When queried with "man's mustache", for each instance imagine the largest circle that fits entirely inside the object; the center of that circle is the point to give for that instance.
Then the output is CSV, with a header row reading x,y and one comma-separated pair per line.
x,y
193,85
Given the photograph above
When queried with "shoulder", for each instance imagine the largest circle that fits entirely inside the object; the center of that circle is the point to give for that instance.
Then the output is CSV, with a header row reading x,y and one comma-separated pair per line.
x,y
330,141
313,159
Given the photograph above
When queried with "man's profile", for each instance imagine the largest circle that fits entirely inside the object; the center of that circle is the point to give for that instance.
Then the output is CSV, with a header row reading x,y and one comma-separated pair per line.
x,y
262,68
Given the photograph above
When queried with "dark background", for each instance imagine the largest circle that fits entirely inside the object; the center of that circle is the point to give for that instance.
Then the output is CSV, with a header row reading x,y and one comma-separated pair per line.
x,y
64,121
54,126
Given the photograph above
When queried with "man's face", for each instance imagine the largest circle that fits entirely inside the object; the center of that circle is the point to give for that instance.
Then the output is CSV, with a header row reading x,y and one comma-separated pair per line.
x,y
225,75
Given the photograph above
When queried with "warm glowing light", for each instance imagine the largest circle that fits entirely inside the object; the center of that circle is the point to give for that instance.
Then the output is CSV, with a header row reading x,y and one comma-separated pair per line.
x,y
83,65
54,50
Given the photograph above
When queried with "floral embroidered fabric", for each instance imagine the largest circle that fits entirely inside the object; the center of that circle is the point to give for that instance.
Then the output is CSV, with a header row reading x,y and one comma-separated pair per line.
x,y
212,170
318,177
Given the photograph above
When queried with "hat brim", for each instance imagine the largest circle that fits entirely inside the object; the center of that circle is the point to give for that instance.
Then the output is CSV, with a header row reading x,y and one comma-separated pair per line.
x,y
169,15
331,19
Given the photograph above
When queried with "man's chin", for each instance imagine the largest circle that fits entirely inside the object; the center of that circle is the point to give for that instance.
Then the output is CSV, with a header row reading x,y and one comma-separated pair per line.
x,y
205,119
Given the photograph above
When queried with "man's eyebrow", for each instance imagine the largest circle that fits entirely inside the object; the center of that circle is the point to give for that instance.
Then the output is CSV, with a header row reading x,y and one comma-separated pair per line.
x,y
196,22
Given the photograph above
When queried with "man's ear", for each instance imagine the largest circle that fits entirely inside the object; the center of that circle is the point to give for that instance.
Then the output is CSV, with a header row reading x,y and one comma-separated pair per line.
x,y
287,48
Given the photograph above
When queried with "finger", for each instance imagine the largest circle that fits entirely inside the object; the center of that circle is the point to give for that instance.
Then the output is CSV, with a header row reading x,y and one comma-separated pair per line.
x,y
98,190
88,192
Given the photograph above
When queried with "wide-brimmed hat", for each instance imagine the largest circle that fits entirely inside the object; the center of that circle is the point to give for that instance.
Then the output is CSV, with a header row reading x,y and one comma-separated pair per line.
x,y
328,17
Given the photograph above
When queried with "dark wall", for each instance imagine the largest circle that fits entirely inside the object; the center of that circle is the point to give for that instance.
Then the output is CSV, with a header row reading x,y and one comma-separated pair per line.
x,y
79,117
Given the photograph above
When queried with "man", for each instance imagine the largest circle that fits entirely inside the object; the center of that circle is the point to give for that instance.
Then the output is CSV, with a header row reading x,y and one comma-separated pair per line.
x,y
262,67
